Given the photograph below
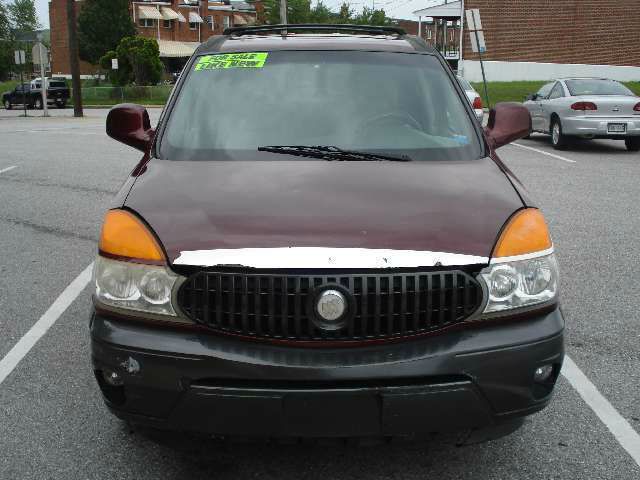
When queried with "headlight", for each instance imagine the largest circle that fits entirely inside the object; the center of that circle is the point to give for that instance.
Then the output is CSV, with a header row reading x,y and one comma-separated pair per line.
x,y
520,283
134,286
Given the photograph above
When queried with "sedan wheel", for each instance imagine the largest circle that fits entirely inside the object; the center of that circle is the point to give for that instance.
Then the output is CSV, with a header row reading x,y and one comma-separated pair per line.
x,y
38,104
633,144
7,104
558,139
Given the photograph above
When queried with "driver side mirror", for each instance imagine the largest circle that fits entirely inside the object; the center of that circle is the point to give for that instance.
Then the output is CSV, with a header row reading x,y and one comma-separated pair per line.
x,y
532,97
508,121
129,123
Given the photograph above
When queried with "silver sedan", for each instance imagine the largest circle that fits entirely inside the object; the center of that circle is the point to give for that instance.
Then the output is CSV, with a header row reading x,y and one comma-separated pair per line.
x,y
586,108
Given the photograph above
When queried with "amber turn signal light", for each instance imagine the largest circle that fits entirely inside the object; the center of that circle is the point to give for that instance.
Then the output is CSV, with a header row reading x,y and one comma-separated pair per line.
x,y
124,235
525,232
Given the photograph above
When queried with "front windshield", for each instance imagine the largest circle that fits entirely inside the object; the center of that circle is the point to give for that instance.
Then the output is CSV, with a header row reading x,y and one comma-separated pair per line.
x,y
393,103
596,87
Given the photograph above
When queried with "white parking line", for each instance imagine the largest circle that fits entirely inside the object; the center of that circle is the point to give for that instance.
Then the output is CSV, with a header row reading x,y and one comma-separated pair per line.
x,y
46,321
616,423
542,152
8,168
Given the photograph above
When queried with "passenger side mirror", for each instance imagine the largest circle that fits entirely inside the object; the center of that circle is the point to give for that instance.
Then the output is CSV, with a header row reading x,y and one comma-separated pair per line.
x,y
508,121
129,123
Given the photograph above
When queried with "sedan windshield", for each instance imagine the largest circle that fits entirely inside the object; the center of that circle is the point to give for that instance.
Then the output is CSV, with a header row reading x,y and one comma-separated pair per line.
x,y
596,87
394,104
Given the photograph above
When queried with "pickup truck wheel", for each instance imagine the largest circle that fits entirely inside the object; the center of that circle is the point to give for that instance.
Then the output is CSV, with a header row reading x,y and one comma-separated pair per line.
x,y
633,144
7,104
558,139
38,103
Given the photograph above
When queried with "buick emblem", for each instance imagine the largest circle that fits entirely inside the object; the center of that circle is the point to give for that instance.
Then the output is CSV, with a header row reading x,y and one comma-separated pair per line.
x,y
331,305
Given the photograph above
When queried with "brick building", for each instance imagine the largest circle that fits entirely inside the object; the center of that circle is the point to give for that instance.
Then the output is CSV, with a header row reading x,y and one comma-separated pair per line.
x,y
178,25
541,39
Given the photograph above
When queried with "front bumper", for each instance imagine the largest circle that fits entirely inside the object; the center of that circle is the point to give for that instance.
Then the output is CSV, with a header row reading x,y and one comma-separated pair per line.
x,y
469,379
597,126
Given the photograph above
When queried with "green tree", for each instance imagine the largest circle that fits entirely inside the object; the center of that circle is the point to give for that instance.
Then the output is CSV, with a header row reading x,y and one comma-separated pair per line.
x,y
122,75
369,16
320,13
22,14
345,15
6,43
298,11
101,26
301,11
138,62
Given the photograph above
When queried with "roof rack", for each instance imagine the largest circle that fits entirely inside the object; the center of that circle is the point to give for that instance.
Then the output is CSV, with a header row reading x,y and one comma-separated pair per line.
x,y
373,29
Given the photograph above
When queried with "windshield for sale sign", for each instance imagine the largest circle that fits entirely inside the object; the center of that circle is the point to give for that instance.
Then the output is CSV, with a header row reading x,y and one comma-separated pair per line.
x,y
232,60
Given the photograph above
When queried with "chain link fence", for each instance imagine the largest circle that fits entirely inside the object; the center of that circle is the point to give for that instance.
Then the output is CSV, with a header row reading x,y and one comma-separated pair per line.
x,y
155,95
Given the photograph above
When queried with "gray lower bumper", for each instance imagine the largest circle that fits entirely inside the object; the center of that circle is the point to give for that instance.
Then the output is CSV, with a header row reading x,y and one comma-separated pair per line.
x,y
476,378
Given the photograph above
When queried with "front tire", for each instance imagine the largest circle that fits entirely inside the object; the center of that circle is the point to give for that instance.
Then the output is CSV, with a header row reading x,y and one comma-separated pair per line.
x,y
558,139
61,104
633,144
38,104
7,104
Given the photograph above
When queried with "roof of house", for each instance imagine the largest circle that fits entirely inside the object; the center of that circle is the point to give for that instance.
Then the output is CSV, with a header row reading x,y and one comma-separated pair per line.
x,y
445,10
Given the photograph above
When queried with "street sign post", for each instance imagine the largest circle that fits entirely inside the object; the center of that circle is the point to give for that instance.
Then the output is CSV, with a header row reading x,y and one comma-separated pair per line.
x,y
478,45
40,55
20,59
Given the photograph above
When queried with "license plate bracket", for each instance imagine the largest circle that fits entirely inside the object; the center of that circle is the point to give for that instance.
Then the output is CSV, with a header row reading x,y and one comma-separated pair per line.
x,y
617,128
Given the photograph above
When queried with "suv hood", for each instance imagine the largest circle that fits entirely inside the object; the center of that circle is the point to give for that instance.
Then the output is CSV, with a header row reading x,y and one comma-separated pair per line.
x,y
453,207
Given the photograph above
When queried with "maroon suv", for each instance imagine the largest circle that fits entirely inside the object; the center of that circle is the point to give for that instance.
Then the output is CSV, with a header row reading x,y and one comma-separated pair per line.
x,y
320,241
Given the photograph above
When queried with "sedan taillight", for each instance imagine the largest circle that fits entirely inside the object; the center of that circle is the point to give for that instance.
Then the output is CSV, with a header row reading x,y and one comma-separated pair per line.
x,y
584,106
477,103
637,107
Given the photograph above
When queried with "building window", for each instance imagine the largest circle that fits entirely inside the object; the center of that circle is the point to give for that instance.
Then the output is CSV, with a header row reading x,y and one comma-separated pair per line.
x,y
211,21
428,34
193,25
167,24
226,22
146,22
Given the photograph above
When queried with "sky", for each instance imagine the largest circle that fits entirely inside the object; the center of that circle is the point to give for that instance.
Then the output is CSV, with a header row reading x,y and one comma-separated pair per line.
x,y
394,8
42,9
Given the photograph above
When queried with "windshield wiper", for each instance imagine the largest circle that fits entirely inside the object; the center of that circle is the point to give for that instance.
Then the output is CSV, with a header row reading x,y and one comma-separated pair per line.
x,y
332,153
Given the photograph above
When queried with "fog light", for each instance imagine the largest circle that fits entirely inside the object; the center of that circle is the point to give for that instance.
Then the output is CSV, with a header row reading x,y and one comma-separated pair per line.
x,y
112,378
543,374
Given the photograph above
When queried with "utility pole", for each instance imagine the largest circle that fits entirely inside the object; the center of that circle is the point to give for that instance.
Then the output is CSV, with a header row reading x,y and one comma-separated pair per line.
x,y
74,61
283,13
41,55
24,93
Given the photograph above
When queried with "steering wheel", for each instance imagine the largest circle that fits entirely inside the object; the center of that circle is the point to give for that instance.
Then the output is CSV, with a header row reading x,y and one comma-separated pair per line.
x,y
387,119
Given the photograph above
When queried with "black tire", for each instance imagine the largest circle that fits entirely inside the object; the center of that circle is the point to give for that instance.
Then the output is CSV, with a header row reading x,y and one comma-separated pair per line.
x,y
61,104
633,144
38,104
558,139
7,105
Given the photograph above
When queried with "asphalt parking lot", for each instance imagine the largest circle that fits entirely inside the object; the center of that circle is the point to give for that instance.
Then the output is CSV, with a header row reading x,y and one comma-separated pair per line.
x,y
57,177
